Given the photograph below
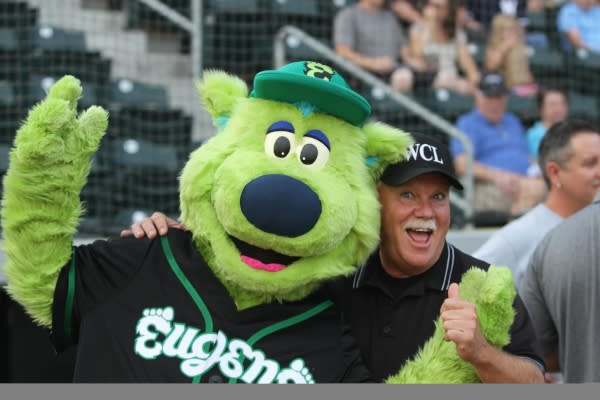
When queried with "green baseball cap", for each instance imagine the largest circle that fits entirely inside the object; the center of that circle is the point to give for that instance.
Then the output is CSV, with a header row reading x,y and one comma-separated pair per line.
x,y
315,83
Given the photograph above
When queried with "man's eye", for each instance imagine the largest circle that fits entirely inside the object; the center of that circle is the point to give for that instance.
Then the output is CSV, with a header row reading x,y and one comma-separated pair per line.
x,y
439,196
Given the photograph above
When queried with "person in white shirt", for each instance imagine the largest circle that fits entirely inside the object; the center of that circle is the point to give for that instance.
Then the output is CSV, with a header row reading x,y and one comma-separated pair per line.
x,y
569,158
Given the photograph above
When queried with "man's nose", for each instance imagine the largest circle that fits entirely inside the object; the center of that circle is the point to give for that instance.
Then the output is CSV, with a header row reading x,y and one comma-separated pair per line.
x,y
424,209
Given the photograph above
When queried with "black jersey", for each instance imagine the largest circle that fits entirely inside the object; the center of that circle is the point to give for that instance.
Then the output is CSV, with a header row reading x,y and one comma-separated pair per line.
x,y
393,318
153,311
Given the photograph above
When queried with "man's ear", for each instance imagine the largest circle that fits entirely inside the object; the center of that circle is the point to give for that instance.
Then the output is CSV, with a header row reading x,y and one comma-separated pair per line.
x,y
552,169
219,91
385,145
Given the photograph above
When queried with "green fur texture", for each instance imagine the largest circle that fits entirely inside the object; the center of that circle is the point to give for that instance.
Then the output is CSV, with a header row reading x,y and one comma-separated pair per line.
x,y
216,174
219,91
49,164
493,294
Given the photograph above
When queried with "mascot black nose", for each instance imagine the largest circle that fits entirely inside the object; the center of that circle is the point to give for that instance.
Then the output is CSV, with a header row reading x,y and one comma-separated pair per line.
x,y
280,205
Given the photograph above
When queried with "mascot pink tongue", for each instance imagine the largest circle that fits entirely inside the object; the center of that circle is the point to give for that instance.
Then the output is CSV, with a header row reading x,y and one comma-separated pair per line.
x,y
271,267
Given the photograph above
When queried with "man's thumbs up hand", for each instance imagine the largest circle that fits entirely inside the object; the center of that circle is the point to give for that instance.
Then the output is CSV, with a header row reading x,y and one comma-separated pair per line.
x,y
461,326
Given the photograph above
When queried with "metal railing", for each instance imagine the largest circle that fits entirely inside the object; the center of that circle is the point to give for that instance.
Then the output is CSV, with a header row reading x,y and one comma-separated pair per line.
x,y
194,27
279,59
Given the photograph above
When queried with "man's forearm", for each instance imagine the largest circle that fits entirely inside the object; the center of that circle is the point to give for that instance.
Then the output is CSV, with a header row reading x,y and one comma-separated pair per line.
x,y
497,366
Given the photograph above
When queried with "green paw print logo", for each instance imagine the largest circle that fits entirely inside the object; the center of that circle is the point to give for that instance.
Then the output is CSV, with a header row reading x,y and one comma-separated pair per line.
x,y
318,70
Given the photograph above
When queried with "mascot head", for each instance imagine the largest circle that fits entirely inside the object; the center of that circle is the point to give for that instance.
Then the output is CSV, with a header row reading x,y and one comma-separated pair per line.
x,y
283,197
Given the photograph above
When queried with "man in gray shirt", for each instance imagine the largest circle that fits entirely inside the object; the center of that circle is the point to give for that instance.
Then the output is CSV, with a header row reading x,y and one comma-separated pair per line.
x,y
370,36
569,158
561,289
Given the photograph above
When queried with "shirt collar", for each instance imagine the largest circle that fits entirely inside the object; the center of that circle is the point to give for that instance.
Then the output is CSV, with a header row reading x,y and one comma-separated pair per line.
x,y
438,277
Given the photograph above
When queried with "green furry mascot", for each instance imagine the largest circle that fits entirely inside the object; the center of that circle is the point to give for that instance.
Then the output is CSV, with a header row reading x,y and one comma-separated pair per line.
x,y
279,202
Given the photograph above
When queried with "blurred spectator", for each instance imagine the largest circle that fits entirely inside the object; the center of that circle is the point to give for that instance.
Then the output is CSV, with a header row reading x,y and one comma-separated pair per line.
x,y
506,54
540,5
553,107
561,289
369,36
435,47
484,11
570,162
579,22
501,162
409,11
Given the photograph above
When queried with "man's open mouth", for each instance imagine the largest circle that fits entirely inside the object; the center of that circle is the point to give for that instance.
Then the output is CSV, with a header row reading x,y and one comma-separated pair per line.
x,y
419,235
257,258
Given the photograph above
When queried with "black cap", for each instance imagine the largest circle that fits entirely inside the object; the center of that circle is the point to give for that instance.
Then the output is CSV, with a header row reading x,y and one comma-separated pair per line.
x,y
492,84
424,156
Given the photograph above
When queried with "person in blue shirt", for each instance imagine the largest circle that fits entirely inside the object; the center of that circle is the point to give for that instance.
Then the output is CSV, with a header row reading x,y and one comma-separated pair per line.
x,y
553,107
579,21
505,181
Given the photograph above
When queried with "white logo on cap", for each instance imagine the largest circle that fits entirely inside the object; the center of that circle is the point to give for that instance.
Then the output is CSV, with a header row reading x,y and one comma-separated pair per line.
x,y
425,152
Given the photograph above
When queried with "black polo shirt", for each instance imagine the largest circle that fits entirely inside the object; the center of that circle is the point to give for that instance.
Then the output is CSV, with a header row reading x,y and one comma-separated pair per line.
x,y
393,318
153,311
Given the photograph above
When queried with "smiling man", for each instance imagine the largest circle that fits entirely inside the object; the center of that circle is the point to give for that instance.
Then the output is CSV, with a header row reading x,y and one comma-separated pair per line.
x,y
412,279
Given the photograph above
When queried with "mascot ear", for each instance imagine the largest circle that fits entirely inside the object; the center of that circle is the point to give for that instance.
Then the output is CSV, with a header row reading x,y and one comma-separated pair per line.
x,y
385,145
219,91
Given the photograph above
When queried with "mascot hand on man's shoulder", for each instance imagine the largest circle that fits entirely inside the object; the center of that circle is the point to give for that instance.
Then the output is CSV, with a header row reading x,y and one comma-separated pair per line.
x,y
282,199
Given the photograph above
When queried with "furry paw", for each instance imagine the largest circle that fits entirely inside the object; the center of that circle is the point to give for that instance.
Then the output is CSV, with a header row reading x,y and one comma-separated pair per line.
x,y
494,305
53,134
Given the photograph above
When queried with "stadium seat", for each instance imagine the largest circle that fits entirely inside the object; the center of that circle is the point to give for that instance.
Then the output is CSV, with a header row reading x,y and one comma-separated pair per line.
x,y
131,93
140,16
446,103
295,50
13,62
583,106
237,36
98,194
160,125
547,65
146,174
584,72
524,107
87,66
7,95
305,15
39,85
53,38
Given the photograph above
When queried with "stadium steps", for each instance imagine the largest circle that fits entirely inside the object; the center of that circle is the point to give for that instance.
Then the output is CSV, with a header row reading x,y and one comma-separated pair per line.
x,y
129,49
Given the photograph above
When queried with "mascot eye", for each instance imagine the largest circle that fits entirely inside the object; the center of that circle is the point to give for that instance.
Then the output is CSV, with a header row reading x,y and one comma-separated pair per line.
x,y
279,144
313,153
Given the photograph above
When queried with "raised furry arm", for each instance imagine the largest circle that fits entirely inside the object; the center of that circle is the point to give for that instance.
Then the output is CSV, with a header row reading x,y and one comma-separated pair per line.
x,y
49,165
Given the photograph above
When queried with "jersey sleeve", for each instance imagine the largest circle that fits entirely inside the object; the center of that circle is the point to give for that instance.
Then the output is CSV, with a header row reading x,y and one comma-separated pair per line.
x,y
95,272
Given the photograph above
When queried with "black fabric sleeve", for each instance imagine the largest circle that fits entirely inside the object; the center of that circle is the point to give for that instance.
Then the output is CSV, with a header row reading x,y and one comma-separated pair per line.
x,y
95,272
523,342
